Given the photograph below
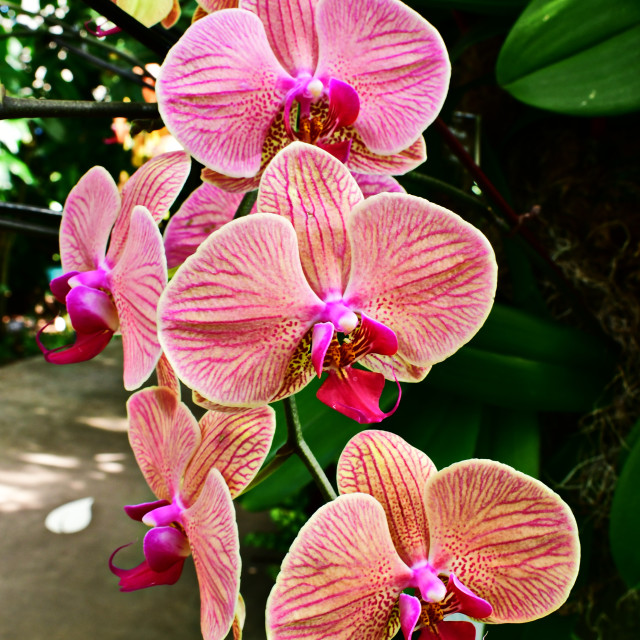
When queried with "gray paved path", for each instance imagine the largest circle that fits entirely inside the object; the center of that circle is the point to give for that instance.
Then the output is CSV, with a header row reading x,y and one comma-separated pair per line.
x,y
63,437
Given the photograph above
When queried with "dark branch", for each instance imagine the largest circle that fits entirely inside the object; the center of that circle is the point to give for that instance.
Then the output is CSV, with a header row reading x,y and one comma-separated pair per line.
x,y
155,38
33,108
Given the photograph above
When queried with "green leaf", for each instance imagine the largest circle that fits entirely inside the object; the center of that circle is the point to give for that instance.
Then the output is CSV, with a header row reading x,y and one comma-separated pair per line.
x,y
574,56
519,383
625,519
512,436
513,332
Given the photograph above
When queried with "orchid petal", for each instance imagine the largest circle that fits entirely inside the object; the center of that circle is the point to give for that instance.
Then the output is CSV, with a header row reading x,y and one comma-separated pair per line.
x,y
363,160
173,16
90,211
85,347
155,186
210,525
410,609
509,538
231,185
320,341
143,576
219,99
148,13
291,31
204,211
341,578
468,602
91,310
164,546
138,511
60,286
315,192
372,185
339,150
236,444
344,104
233,315
217,5
394,59
450,630
356,394
167,376
163,435
383,465
394,367
239,616
137,280
433,286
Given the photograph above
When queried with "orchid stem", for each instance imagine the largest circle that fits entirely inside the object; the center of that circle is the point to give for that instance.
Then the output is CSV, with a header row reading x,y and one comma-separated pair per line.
x,y
246,204
297,442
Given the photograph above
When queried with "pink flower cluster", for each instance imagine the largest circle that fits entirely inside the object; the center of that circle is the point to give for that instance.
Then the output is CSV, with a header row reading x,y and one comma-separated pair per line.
x,y
336,272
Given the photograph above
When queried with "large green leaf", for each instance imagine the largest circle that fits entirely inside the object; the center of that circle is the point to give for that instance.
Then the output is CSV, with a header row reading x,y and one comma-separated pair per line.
x,y
579,57
625,518
519,383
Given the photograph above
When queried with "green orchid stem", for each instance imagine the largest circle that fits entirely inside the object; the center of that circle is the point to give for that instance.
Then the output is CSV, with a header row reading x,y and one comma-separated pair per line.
x,y
297,442
246,204
32,108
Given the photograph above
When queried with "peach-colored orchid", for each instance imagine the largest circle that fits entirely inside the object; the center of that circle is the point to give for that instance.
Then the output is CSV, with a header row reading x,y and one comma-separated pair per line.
x,y
195,470
209,207
360,79
477,538
118,288
393,282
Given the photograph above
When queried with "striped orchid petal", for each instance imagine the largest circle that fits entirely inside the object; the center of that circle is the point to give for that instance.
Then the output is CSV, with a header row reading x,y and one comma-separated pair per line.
x,y
164,436
363,160
291,31
395,368
236,444
204,211
341,578
372,185
211,528
386,467
90,212
216,5
137,280
217,100
433,286
394,59
167,376
155,185
234,314
508,538
315,192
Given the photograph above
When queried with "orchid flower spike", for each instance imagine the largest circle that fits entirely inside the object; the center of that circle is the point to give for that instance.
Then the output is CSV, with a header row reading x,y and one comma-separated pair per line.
x,y
116,289
195,470
392,282
477,538
362,80
209,207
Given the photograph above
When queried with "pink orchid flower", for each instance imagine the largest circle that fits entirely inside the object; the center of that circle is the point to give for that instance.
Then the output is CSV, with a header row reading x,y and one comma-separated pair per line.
x,y
478,538
195,470
360,79
393,282
116,289
209,207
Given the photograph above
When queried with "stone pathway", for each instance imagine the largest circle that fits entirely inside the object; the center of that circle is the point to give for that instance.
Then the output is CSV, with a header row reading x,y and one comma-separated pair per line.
x,y
63,437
